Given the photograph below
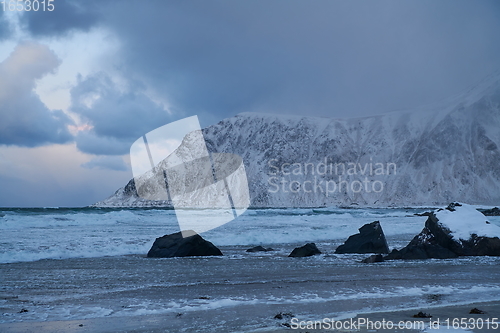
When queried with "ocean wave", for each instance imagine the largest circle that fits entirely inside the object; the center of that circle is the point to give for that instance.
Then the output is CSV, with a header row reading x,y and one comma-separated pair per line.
x,y
32,235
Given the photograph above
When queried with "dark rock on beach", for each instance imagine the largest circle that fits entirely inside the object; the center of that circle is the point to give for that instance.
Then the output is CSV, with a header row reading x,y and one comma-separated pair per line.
x,y
175,245
421,251
491,212
307,250
437,241
370,239
452,206
373,258
422,315
423,214
259,249
281,315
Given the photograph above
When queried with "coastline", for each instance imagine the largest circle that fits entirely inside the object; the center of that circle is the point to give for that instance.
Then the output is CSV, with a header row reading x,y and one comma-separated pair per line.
x,y
239,292
169,322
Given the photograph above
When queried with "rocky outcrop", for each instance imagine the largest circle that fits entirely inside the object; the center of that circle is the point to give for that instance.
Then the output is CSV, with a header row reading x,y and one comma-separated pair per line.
x,y
457,230
307,250
175,245
491,212
259,249
423,214
370,239
373,258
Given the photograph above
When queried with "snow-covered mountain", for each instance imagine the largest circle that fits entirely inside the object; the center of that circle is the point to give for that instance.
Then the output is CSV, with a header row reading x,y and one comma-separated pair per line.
x,y
432,155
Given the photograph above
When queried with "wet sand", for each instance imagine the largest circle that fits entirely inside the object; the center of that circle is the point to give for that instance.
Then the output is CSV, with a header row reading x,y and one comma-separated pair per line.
x,y
172,323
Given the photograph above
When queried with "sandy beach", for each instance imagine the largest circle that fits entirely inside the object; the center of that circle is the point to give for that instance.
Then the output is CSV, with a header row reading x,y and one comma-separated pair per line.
x,y
237,292
173,323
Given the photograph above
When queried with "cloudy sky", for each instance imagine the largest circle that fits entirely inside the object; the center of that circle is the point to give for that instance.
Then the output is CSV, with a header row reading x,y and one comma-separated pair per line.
x,y
80,84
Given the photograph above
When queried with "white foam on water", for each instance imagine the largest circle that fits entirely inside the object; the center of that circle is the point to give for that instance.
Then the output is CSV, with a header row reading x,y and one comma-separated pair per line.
x,y
29,236
141,307
378,293
291,229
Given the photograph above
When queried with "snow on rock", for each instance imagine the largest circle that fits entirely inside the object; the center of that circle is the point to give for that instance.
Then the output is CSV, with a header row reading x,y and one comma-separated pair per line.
x,y
457,230
465,220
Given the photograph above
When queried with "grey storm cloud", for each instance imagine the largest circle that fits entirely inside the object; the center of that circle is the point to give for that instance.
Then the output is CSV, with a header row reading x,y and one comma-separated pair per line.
x,y
67,16
107,162
91,143
324,58
24,119
117,115
4,26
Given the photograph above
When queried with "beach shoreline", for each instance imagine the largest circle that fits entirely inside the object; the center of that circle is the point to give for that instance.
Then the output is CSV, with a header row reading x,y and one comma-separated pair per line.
x,y
96,282
171,323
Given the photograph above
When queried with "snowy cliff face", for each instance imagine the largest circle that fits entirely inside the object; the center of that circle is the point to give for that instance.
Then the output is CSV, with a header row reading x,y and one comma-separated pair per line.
x,y
429,156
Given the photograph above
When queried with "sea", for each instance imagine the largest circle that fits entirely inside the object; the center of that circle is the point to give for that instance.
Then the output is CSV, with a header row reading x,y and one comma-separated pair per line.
x,y
80,263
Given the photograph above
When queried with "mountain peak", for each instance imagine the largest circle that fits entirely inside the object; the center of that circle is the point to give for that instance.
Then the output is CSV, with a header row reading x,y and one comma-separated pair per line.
x,y
430,156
